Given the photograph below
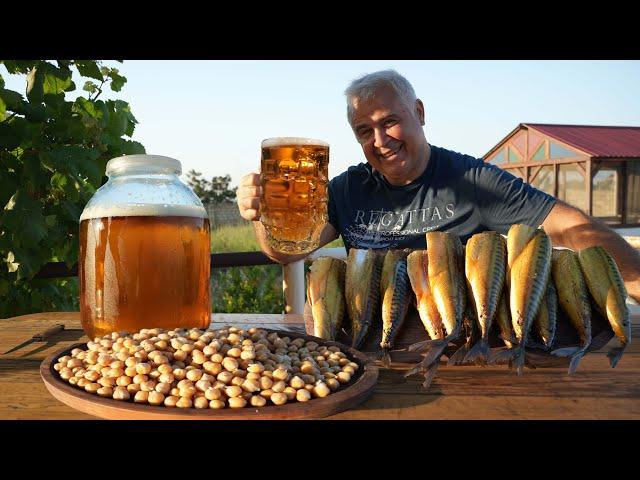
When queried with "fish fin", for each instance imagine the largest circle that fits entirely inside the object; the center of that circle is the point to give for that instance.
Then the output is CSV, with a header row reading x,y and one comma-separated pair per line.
x,y
566,351
575,361
385,358
499,355
433,355
459,355
519,360
615,354
417,368
479,353
420,346
429,375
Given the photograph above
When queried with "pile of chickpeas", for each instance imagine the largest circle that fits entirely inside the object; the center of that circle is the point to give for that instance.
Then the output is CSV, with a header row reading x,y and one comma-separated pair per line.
x,y
226,368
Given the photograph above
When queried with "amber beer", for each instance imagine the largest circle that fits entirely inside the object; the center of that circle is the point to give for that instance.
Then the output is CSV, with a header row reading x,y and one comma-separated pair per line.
x,y
145,270
293,205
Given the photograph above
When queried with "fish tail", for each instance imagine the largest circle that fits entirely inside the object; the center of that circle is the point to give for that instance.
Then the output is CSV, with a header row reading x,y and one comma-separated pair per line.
x,y
479,353
567,351
421,346
459,355
385,358
501,355
519,359
575,361
615,354
434,354
429,375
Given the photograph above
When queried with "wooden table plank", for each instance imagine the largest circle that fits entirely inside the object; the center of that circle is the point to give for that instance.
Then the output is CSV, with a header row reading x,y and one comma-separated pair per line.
x,y
463,392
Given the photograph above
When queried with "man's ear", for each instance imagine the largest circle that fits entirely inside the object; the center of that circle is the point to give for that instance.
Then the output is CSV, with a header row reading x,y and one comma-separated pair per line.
x,y
420,111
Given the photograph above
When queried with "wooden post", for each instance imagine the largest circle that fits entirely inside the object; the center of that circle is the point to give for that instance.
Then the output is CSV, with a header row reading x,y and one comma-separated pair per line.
x,y
293,280
589,184
293,287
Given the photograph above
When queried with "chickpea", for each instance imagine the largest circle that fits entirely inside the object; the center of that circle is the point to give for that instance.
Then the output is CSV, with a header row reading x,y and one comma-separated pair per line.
x,y
175,392
266,393
188,392
201,402
290,392
236,402
296,382
233,391
251,386
194,374
253,376
348,369
121,393
255,368
343,377
265,383
203,385
209,350
123,381
279,386
333,384
58,366
166,378
155,398
143,368
278,398
247,355
280,374
180,355
163,388
141,397
75,380
216,404
130,372
133,388
171,401
230,364
225,377
140,378
257,401
107,381
217,358
184,402
213,394
303,395
198,357
148,386
179,374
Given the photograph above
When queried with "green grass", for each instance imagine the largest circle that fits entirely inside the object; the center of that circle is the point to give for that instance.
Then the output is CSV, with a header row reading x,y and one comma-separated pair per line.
x,y
256,289
240,238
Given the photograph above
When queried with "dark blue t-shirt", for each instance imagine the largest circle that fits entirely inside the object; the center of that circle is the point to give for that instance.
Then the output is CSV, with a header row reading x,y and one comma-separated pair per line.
x,y
456,193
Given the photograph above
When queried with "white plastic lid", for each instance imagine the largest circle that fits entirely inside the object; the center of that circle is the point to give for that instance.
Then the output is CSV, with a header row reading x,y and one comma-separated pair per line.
x,y
278,141
143,162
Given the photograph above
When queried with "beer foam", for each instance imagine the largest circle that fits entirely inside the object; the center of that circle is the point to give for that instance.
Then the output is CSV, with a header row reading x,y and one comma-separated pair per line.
x,y
279,141
143,210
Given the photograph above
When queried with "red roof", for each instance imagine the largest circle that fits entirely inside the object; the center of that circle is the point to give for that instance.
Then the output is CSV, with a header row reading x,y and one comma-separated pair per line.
x,y
598,141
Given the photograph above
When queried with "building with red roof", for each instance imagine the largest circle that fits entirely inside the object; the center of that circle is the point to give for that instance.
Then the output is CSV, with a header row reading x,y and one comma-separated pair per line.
x,y
595,168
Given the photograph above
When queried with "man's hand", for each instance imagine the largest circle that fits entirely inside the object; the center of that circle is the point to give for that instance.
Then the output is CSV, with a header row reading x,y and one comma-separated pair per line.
x,y
248,196
569,227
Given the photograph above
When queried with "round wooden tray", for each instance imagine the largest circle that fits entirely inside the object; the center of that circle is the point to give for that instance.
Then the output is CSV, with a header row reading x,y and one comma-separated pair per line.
x,y
347,396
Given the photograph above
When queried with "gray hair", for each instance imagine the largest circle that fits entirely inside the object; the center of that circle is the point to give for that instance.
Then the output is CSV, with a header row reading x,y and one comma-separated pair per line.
x,y
365,88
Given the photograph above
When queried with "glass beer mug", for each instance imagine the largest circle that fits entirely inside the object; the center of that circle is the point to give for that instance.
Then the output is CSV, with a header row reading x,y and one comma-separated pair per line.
x,y
144,250
293,204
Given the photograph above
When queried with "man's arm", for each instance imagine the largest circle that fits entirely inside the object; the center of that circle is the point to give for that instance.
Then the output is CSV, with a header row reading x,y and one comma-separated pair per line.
x,y
328,234
570,227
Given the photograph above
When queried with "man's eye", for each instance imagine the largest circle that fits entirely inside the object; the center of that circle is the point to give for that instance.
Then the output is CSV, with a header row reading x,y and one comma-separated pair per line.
x,y
364,133
390,123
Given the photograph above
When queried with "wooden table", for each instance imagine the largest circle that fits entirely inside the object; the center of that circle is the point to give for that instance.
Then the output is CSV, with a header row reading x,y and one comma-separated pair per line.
x,y
463,392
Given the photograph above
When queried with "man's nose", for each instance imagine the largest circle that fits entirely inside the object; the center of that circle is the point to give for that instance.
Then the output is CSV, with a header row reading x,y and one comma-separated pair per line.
x,y
379,137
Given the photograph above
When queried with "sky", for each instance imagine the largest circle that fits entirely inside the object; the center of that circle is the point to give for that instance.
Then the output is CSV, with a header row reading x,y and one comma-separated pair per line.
x,y
212,115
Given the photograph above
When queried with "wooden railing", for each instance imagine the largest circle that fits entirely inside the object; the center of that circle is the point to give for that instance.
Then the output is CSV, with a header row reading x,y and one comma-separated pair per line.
x,y
293,281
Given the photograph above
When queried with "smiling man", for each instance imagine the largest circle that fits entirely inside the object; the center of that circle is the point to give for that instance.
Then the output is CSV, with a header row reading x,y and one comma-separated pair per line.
x,y
408,187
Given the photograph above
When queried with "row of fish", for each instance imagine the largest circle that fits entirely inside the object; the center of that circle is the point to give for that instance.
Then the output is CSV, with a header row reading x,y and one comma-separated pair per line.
x,y
514,286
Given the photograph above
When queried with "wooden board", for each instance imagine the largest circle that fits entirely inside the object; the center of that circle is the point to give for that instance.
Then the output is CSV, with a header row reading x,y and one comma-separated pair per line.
x,y
347,396
412,331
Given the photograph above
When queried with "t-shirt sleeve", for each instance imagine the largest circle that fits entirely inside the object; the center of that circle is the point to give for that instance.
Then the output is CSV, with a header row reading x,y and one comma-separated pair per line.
x,y
332,210
504,199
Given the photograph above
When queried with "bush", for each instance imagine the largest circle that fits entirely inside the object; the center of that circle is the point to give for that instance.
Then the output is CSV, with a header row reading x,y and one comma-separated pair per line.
x,y
53,154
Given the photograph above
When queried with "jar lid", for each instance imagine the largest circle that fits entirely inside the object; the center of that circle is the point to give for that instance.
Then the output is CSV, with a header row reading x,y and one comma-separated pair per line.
x,y
150,163
279,141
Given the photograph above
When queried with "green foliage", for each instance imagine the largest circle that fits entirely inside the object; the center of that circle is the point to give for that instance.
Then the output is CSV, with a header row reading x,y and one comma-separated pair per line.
x,y
53,153
216,190
247,289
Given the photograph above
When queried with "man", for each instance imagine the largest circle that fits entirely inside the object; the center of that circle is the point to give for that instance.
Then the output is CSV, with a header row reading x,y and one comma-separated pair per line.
x,y
409,187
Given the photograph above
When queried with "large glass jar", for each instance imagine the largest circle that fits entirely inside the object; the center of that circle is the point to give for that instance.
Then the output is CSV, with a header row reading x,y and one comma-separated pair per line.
x,y
144,250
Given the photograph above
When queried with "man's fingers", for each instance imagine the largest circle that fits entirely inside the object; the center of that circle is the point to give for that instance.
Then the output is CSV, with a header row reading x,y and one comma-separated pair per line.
x,y
251,215
252,178
249,191
249,203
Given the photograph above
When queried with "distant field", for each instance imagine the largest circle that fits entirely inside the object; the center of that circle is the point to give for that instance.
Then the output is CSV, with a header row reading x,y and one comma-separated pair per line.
x,y
240,238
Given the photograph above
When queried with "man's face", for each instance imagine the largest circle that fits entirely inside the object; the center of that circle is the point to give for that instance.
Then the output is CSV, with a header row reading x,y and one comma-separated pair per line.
x,y
390,133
